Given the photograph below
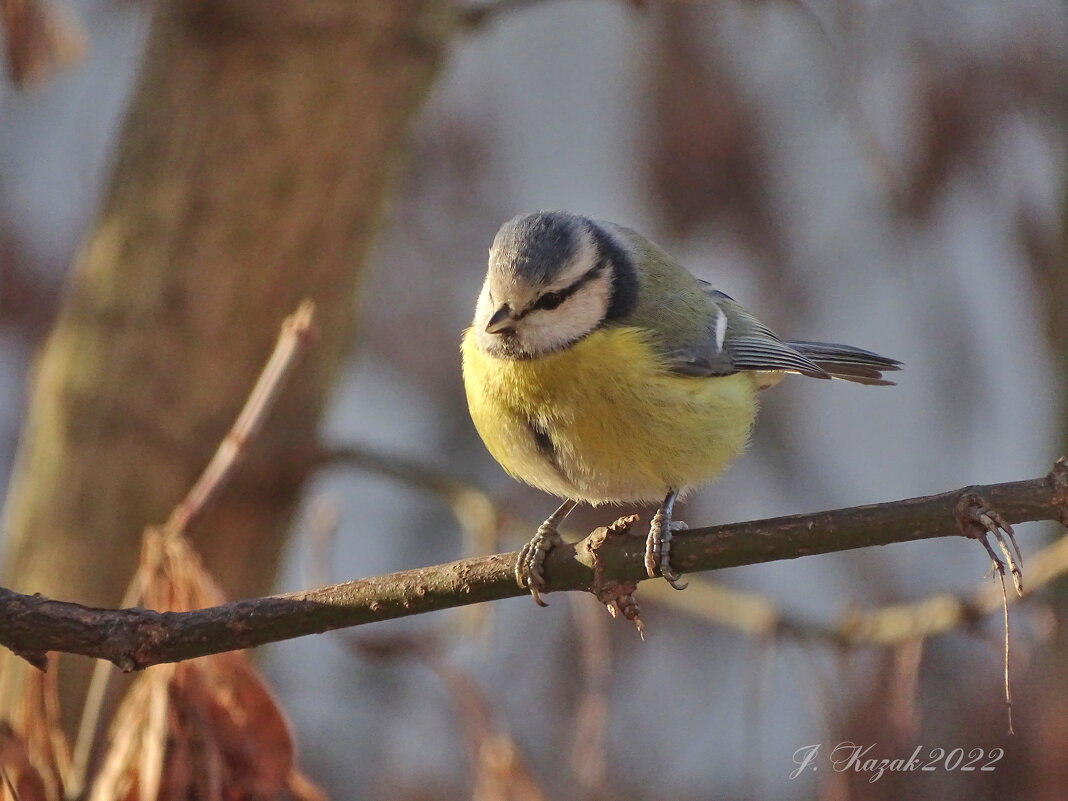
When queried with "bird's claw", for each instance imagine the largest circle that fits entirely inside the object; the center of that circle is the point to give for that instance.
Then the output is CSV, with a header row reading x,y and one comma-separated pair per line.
x,y
977,520
658,548
530,566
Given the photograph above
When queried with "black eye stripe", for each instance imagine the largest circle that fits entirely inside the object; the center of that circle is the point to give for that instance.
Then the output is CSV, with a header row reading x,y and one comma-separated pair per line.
x,y
558,296
549,301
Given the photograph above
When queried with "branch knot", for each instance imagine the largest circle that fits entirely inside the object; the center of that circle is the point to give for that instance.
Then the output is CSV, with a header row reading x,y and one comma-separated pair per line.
x,y
616,594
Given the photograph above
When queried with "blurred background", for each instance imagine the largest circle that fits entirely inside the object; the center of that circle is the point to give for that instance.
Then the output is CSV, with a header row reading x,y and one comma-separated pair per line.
x,y
891,175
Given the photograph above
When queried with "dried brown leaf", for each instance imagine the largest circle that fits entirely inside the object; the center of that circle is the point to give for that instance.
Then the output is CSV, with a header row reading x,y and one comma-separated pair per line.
x,y
208,728
34,753
21,780
250,736
137,740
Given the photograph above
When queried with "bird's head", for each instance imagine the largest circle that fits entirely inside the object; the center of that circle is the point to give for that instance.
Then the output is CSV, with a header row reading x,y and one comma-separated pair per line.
x,y
552,280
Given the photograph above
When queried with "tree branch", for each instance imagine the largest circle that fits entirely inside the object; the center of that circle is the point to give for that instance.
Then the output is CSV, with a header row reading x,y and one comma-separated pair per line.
x,y
892,624
137,638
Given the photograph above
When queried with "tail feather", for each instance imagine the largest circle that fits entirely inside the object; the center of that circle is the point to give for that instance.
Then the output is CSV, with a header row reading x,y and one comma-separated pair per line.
x,y
847,362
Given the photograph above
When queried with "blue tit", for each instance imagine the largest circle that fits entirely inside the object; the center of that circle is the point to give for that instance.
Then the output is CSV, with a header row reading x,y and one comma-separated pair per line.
x,y
600,370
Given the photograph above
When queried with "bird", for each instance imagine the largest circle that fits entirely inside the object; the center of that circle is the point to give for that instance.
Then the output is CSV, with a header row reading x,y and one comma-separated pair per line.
x,y
600,370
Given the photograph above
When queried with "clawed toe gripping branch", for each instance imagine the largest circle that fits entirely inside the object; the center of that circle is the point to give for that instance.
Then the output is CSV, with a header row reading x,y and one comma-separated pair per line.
x,y
977,520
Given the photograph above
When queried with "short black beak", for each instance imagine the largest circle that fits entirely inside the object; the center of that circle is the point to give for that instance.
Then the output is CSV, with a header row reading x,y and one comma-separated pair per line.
x,y
501,321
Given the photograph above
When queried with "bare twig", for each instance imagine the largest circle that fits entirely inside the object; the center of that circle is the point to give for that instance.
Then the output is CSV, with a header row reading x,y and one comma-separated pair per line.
x,y
1008,651
137,638
296,332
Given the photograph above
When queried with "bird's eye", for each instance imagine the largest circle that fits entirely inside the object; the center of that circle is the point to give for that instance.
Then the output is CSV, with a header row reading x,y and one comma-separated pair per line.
x,y
549,301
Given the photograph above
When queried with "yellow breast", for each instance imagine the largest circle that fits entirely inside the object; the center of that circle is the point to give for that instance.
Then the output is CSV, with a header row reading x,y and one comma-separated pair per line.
x,y
603,421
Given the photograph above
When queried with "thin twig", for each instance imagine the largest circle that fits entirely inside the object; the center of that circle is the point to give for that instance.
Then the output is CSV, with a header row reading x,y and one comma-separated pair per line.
x,y
295,334
1008,651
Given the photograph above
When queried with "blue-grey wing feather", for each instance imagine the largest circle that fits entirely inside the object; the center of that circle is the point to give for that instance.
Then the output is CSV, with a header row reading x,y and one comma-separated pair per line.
x,y
735,341
848,362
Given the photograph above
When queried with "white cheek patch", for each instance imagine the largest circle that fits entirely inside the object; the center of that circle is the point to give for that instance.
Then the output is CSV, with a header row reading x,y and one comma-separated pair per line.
x,y
544,331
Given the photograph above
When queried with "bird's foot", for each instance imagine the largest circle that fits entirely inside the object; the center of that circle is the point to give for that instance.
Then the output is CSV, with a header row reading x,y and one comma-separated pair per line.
x,y
977,519
530,566
658,544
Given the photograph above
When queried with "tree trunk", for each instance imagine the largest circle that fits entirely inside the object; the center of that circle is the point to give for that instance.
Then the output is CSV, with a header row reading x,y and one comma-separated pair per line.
x,y
253,171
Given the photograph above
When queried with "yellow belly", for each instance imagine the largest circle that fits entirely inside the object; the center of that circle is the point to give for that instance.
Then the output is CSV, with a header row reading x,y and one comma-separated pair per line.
x,y
623,428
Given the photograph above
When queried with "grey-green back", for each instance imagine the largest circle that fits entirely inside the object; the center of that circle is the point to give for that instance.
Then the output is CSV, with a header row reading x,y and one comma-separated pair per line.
x,y
703,332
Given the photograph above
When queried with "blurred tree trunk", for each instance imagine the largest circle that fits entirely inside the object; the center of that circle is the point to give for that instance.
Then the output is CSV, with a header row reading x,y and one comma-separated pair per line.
x,y
253,170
